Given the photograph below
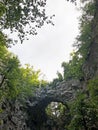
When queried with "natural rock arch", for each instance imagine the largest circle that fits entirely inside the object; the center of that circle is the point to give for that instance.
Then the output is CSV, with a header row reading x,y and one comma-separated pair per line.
x,y
63,92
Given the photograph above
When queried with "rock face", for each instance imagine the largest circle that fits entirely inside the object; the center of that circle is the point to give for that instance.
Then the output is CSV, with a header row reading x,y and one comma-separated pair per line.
x,y
32,115
63,92
12,116
90,67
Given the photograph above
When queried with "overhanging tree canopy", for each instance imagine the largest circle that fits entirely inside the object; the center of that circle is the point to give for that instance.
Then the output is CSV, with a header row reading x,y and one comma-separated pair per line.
x,y
17,15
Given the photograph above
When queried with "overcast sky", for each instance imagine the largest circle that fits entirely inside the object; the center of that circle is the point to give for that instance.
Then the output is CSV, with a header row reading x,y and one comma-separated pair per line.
x,y
53,44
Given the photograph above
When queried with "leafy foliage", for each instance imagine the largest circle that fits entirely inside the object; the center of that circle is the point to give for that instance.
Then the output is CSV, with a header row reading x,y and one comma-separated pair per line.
x,y
84,113
14,79
29,80
93,91
21,14
2,9
73,68
85,39
59,114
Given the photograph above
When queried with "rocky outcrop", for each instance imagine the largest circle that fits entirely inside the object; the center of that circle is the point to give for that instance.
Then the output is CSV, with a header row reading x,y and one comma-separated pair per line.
x,y
90,66
12,116
31,115
63,92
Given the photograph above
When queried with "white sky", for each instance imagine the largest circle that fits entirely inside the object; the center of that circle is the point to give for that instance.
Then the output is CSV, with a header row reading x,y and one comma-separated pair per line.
x,y
53,44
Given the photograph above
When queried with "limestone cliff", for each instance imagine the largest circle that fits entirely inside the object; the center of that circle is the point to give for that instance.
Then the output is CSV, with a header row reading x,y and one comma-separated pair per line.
x,y
12,116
